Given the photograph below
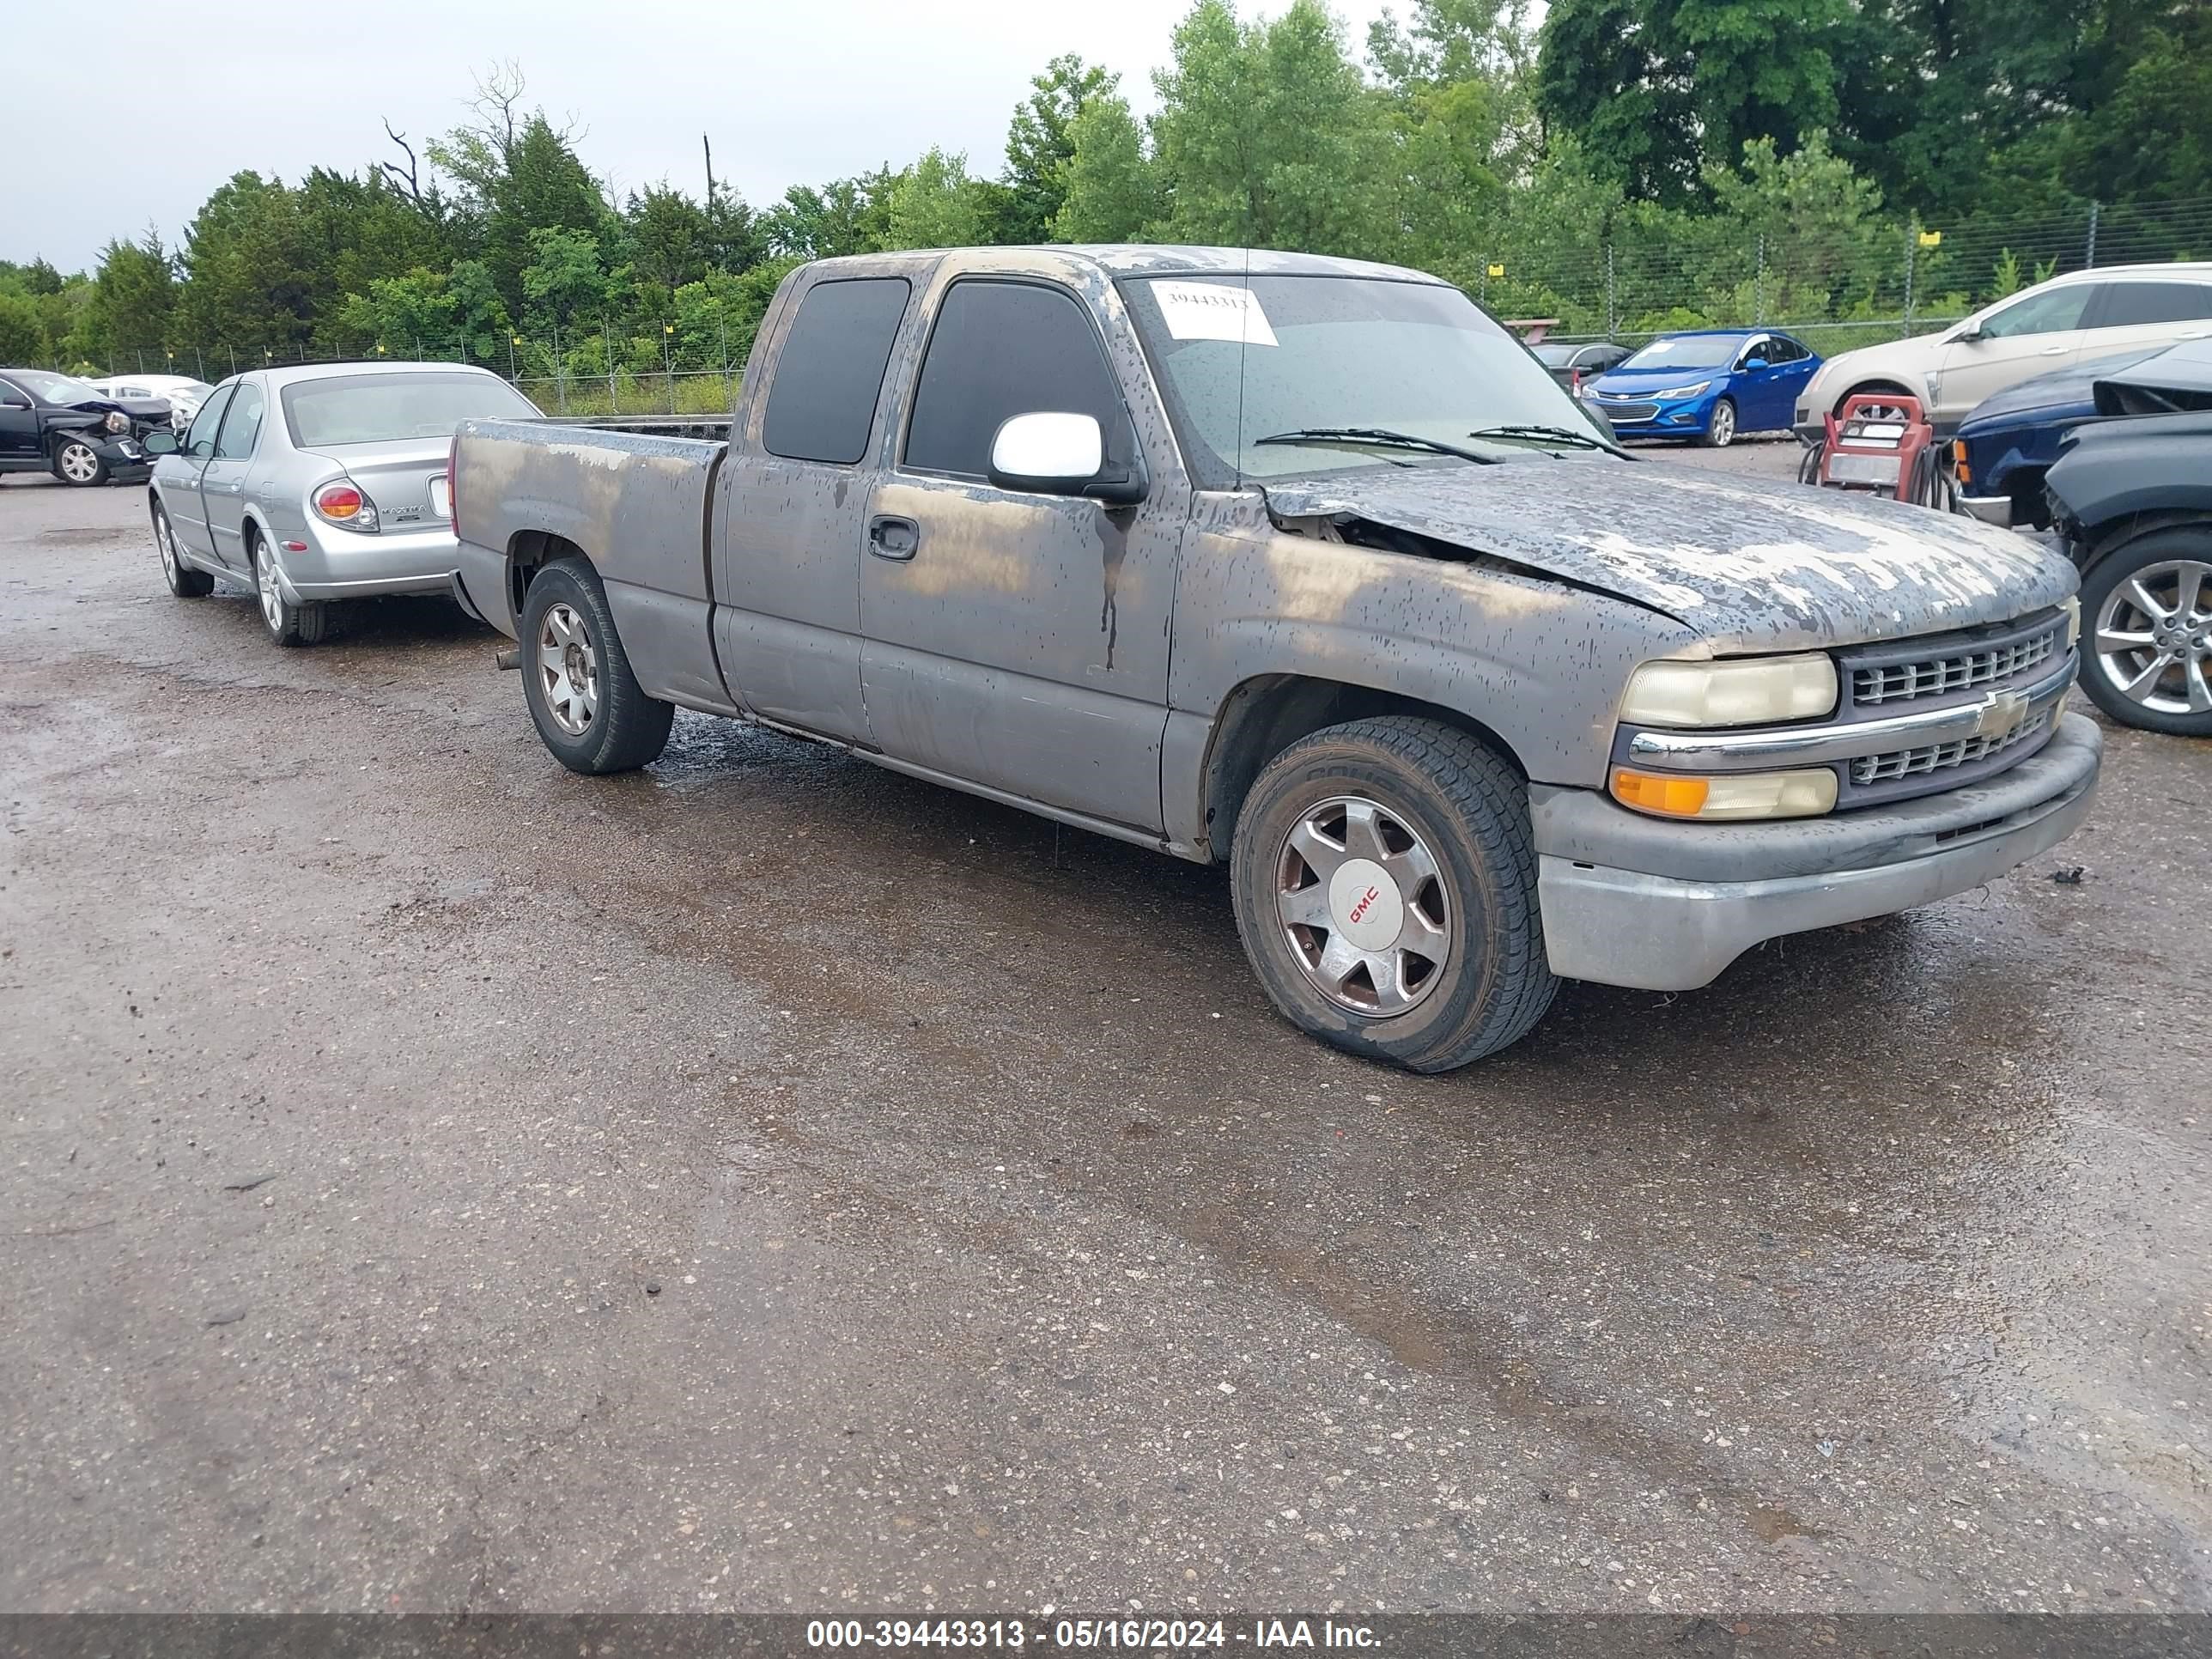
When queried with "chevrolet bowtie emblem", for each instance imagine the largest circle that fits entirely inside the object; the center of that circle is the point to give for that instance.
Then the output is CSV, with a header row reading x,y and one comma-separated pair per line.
x,y
2001,715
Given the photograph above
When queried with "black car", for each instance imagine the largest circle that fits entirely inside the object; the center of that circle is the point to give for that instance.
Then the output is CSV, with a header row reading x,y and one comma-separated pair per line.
x,y
2133,499
1573,361
53,424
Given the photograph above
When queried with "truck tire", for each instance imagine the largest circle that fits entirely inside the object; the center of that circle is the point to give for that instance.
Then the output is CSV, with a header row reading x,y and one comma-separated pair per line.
x,y
2147,631
1383,874
586,703
184,581
77,464
288,624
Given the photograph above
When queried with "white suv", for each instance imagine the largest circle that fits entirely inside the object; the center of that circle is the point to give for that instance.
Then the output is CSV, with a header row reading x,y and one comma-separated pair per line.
x,y
2052,325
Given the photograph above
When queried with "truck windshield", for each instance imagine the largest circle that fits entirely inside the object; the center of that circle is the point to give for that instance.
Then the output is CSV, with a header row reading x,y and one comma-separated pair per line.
x,y
374,409
1243,360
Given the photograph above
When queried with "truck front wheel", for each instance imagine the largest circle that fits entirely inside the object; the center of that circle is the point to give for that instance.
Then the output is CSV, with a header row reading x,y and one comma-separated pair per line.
x,y
587,706
1384,879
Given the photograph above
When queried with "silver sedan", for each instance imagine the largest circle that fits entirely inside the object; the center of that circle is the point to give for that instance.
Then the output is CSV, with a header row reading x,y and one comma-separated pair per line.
x,y
320,482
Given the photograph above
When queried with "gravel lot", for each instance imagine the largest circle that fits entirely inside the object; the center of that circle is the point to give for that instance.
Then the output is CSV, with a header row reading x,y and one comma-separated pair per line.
x,y
435,1182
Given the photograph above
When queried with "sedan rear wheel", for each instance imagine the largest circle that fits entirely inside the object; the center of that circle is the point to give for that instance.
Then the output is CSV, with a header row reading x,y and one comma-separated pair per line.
x,y
288,624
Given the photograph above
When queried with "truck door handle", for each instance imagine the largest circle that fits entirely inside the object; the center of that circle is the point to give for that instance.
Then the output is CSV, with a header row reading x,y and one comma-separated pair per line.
x,y
891,538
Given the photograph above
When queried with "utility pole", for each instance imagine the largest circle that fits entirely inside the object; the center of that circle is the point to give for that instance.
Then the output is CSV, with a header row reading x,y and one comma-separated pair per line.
x,y
706,145
2089,255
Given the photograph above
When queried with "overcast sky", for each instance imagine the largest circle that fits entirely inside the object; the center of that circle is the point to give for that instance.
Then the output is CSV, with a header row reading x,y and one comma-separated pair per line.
x,y
155,106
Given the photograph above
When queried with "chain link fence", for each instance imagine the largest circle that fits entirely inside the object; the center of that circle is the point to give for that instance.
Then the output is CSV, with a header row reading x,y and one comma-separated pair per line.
x,y
1837,286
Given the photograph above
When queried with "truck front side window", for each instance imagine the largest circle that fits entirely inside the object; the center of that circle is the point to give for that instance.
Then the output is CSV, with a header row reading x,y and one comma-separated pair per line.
x,y
1000,349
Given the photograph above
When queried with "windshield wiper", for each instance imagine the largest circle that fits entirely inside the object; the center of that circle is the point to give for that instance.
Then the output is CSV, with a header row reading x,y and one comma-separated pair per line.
x,y
1380,437
1560,434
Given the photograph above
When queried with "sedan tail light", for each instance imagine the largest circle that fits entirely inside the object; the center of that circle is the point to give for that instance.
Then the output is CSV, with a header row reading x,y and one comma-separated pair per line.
x,y
346,505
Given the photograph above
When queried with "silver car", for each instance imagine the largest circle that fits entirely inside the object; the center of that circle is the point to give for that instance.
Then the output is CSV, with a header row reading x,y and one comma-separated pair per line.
x,y
320,482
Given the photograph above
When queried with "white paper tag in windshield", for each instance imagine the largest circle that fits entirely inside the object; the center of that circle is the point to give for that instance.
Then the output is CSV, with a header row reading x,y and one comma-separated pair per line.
x,y
1212,311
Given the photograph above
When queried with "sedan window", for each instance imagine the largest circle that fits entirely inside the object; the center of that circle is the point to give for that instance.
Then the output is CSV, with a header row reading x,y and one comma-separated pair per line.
x,y
243,426
375,408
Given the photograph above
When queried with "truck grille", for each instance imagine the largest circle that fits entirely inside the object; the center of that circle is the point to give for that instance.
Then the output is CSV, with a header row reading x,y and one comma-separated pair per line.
x,y
1962,671
1942,757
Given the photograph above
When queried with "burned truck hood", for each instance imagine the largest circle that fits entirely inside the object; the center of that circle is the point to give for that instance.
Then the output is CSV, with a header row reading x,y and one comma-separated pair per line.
x,y
1752,566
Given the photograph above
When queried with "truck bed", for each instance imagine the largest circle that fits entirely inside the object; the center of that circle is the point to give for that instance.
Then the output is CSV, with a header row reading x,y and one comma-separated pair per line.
x,y
638,506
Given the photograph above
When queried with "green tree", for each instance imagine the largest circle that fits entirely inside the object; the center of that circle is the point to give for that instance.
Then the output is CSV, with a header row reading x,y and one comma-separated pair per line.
x,y
1267,136
1459,82
1041,142
245,289
935,205
518,174
845,215
132,297
671,237
566,277
22,331
1111,194
1658,90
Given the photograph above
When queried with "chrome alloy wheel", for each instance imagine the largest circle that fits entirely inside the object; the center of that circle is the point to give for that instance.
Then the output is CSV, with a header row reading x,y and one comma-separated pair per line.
x,y
1722,424
166,542
264,584
568,670
2154,637
78,464
1362,902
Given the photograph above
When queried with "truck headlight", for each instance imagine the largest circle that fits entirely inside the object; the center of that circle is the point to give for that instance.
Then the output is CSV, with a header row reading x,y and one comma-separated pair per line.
x,y
117,421
1731,795
1738,691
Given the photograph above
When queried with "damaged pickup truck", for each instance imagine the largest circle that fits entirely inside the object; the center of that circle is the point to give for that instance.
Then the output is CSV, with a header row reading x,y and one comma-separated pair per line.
x,y
1303,565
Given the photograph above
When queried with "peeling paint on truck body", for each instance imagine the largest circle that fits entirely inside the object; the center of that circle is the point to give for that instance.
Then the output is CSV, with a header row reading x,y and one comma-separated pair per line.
x,y
1087,662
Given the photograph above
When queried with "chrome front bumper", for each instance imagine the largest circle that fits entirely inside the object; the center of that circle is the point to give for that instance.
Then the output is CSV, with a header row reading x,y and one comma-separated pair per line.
x,y
1663,906
1990,509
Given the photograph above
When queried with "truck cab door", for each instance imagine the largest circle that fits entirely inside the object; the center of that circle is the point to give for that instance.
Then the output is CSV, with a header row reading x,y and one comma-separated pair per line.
x,y
222,480
787,560
1018,641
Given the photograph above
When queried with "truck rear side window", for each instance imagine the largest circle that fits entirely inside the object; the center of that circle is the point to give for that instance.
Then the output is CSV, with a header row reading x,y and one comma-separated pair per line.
x,y
830,370
1001,350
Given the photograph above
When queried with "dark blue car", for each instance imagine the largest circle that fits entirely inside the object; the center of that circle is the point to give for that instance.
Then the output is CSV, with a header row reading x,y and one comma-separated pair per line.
x,y
1706,387
2008,442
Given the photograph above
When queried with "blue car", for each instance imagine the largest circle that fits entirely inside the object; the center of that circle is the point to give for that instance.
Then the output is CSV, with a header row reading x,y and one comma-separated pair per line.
x,y
2008,442
1708,385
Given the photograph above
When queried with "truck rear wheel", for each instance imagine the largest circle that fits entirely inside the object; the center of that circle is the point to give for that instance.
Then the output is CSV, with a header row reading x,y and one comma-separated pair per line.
x,y
1384,879
587,705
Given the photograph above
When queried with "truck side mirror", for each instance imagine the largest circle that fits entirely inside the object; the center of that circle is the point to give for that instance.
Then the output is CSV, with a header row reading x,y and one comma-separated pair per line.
x,y
1060,453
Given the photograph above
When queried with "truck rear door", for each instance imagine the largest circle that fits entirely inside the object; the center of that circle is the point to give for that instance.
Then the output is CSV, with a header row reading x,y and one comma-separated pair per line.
x,y
787,574
1018,641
